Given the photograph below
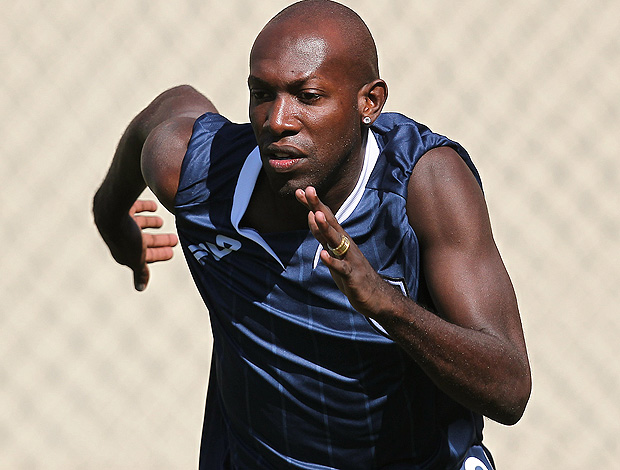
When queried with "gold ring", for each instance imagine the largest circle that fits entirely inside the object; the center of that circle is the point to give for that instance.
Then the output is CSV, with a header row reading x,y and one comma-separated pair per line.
x,y
341,249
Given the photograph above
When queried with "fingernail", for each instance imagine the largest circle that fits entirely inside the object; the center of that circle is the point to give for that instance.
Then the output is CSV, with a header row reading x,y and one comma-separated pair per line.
x,y
140,287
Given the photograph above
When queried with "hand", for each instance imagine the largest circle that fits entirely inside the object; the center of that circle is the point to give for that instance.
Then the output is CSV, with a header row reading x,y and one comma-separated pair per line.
x,y
131,246
352,272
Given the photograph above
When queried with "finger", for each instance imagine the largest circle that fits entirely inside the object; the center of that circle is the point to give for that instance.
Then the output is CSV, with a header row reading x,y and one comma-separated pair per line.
x,y
149,221
154,255
322,222
331,238
159,247
317,207
315,230
141,278
160,240
315,204
143,205
300,194
332,235
312,198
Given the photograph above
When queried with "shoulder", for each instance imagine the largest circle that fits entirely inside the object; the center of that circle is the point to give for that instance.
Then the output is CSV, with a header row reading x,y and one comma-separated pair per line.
x,y
214,157
398,126
400,135
444,197
163,130
404,143
442,169
177,142
215,141
214,133
162,157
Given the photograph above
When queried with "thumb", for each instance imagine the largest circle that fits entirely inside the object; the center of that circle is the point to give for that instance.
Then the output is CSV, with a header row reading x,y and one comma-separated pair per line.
x,y
141,278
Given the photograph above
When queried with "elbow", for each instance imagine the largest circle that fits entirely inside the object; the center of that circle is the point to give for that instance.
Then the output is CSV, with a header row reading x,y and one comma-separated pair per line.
x,y
510,416
515,400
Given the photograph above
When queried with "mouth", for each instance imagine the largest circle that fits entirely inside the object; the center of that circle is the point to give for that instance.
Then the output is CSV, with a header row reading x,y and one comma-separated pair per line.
x,y
282,158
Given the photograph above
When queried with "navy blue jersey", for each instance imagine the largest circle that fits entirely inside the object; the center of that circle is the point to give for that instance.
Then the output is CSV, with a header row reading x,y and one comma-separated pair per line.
x,y
299,379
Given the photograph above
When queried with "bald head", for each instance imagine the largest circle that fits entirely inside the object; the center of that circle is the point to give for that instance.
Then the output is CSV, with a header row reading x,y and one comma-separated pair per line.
x,y
320,29
314,90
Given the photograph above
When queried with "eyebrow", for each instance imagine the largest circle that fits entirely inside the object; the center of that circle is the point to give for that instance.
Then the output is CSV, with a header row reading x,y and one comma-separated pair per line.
x,y
252,79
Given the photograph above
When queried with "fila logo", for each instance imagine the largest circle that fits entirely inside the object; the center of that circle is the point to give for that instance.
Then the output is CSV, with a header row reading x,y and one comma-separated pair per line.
x,y
223,246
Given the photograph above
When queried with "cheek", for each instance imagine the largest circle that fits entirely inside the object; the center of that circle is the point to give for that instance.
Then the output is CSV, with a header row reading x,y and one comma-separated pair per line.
x,y
255,117
258,113
344,133
340,124
335,146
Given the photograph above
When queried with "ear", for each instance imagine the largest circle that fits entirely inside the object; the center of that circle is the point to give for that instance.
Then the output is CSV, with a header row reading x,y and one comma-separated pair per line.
x,y
371,99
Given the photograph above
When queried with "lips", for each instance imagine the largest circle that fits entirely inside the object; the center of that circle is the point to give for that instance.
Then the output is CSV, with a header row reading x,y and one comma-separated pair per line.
x,y
283,164
283,157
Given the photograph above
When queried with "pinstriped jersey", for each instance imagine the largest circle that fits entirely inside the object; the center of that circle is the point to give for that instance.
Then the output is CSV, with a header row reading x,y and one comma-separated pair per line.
x,y
299,379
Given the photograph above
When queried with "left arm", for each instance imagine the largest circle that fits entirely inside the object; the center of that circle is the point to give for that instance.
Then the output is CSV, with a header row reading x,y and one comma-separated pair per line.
x,y
150,151
473,347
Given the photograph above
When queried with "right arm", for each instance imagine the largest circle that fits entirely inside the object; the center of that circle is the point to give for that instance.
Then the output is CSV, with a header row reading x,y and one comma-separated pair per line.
x,y
151,153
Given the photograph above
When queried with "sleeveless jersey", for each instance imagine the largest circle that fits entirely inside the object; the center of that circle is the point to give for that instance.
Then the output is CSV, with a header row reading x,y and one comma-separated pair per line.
x,y
299,379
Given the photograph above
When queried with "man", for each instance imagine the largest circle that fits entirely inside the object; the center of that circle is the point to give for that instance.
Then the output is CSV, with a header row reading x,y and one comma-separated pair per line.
x,y
377,338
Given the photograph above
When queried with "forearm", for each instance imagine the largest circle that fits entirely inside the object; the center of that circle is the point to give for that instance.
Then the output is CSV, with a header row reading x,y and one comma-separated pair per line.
x,y
481,371
124,181
484,370
150,151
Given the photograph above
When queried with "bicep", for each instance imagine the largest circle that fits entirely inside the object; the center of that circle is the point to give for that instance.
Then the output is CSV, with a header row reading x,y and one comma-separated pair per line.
x,y
464,272
166,127
162,158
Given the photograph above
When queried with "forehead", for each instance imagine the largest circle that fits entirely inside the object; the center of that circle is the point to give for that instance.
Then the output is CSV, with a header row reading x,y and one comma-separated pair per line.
x,y
293,54
293,49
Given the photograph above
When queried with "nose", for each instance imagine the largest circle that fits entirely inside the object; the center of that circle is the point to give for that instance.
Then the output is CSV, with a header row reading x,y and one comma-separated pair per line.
x,y
283,117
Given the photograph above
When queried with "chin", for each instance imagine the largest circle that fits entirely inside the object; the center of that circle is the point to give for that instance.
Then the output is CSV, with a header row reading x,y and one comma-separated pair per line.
x,y
287,189
282,186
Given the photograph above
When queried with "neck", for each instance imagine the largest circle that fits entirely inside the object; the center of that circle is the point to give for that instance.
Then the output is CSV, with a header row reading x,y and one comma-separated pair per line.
x,y
269,212
345,177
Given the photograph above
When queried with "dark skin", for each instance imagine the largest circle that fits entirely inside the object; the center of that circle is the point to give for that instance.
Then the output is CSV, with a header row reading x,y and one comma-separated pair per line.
x,y
306,111
150,150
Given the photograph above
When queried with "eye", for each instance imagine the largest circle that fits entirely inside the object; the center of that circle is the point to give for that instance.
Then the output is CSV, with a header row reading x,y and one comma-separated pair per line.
x,y
259,95
308,96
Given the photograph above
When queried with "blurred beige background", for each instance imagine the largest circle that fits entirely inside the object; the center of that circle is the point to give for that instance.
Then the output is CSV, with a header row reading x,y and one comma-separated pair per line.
x,y
96,376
